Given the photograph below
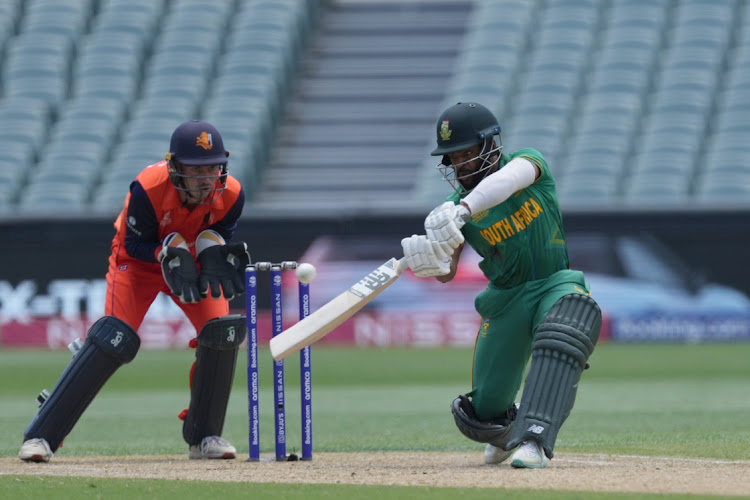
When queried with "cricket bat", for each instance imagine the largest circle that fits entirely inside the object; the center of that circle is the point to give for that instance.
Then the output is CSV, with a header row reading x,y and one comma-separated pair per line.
x,y
321,322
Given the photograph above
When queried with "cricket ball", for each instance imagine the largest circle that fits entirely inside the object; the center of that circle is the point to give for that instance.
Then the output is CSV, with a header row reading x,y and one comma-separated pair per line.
x,y
306,272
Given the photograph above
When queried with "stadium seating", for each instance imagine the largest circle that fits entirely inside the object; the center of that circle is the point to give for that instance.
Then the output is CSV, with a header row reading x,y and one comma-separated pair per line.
x,y
631,102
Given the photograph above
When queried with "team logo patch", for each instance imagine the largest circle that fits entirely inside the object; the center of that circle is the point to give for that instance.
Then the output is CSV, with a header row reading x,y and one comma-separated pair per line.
x,y
484,328
205,141
123,267
445,130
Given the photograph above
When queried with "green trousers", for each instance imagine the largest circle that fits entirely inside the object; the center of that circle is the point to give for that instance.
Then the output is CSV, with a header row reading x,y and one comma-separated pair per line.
x,y
503,346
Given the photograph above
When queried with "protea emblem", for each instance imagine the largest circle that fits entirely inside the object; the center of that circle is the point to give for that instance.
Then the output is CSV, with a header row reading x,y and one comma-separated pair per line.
x,y
445,131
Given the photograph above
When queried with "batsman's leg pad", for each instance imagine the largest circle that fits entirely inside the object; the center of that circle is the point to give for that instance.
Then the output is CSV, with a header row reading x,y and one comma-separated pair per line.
x,y
215,359
495,432
563,343
110,343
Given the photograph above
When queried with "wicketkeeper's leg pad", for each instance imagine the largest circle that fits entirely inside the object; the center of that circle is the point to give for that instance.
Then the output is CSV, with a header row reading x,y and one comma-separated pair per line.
x,y
110,343
563,343
495,432
215,359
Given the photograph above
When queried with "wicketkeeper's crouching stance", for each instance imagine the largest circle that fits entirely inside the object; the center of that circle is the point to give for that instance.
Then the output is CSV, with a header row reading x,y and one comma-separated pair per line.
x,y
174,236
110,344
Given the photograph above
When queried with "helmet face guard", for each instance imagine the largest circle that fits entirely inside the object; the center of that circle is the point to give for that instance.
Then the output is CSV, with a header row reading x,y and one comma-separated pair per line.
x,y
488,157
461,127
179,177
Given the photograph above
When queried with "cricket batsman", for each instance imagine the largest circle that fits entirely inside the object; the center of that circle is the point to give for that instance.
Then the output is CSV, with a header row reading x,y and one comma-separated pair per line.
x,y
174,235
535,307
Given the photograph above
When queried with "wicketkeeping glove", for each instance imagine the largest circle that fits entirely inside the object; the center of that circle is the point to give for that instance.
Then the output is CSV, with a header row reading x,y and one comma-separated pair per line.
x,y
422,259
179,269
222,265
443,226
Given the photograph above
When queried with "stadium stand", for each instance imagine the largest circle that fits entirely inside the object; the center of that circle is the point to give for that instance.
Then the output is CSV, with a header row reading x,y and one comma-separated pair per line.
x,y
369,88
329,105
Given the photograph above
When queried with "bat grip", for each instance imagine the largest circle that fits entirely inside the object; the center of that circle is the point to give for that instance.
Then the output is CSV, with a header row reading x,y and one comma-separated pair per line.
x,y
401,265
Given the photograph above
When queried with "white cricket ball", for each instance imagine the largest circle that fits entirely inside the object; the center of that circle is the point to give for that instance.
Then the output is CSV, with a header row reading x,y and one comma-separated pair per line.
x,y
306,272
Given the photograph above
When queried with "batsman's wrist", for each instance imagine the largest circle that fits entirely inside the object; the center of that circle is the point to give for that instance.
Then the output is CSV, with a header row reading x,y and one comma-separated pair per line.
x,y
463,213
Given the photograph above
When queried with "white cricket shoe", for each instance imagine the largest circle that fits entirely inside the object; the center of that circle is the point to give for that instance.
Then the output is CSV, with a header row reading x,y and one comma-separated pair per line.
x,y
35,450
529,456
495,455
212,447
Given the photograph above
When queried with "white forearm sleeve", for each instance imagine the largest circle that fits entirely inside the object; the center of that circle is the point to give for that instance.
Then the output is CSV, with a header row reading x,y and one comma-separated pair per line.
x,y
517,174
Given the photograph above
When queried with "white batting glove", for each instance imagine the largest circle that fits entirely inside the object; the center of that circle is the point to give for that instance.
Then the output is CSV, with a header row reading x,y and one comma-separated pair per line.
x,y
443,226
422,259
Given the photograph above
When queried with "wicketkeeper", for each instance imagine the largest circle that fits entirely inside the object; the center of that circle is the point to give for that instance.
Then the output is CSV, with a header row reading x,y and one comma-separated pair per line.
x,y
174,235
505,206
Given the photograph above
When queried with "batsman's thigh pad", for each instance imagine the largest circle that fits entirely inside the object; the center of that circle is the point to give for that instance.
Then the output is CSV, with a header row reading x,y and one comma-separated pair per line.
x,y
216,356
563,343
110,343
495,432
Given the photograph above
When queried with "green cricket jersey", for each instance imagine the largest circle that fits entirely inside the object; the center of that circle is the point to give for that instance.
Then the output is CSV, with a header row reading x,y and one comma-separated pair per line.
x,y
525,257
522,238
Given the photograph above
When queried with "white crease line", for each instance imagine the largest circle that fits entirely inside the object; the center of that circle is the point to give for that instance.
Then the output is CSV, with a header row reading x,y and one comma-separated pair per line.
x,y
603,459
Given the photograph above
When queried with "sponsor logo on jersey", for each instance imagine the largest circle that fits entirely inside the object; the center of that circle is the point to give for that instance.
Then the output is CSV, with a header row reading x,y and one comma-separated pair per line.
x,y
167,219
131,225
479,215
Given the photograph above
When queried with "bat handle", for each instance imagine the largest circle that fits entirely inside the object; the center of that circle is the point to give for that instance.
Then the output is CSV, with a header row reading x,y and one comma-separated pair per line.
x,y
401,265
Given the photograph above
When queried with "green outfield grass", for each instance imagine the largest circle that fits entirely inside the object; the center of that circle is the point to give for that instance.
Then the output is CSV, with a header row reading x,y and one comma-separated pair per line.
x,y
33,488
661,400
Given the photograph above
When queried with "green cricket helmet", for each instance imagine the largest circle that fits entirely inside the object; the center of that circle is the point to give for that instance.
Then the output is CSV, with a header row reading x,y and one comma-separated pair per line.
x,y
460,127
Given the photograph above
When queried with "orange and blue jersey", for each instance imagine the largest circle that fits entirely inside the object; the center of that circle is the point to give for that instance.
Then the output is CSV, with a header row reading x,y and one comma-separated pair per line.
x,y
152,211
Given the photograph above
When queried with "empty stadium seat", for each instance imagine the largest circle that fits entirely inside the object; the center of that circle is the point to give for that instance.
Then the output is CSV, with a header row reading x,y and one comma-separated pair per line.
x,y
631,100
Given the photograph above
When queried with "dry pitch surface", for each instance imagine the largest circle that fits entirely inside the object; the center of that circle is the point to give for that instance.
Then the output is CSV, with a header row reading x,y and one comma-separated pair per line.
x,y
566,472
